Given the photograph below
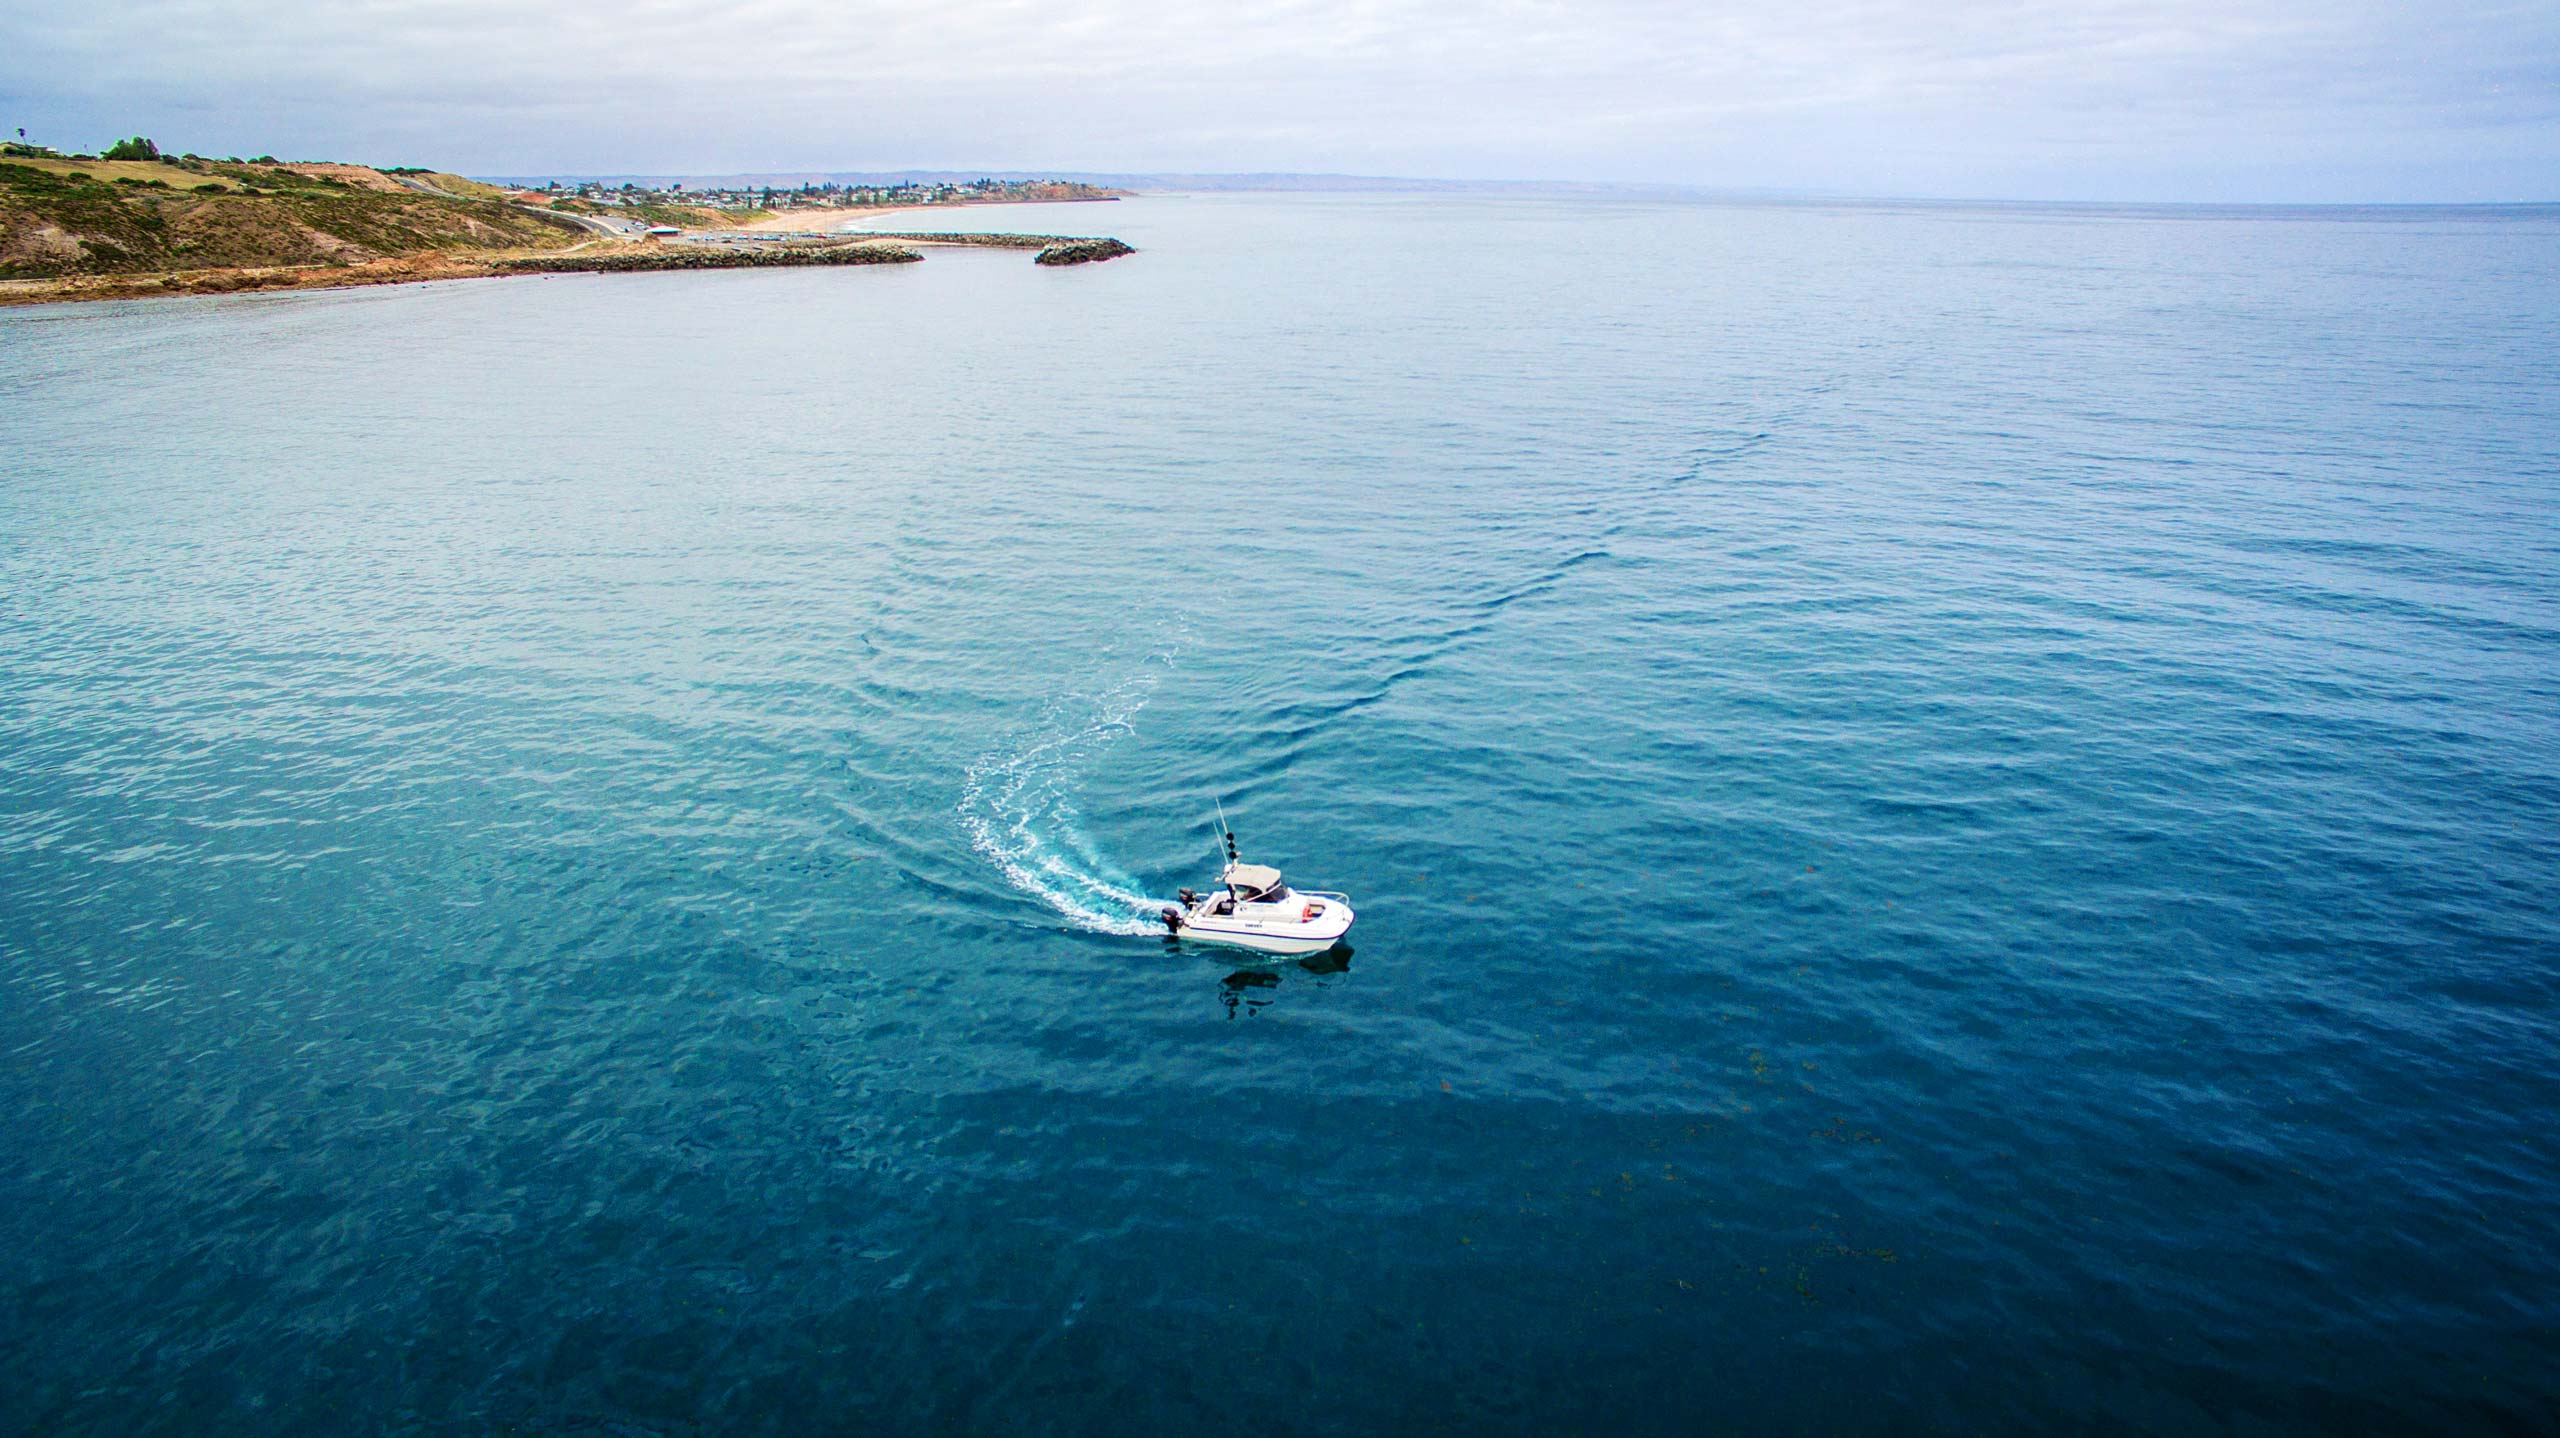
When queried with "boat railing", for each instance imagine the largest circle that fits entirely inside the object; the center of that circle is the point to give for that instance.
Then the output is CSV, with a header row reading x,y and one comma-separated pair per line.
x,y
1323,894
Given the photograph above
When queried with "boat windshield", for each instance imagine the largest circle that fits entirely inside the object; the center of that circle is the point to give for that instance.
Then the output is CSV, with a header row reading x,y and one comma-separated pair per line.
x,y
1276,894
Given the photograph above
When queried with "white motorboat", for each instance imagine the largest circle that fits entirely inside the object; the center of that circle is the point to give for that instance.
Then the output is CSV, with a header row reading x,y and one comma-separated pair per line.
x,y
1255,909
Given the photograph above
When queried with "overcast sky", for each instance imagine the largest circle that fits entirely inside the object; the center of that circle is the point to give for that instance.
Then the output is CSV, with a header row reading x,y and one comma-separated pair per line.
x,y
2081,99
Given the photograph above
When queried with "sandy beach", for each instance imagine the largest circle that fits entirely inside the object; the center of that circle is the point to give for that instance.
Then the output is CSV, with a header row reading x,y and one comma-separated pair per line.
x,y
798,222
833,220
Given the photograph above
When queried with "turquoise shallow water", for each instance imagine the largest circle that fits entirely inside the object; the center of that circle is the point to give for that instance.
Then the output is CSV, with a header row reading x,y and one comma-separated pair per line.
x,y
1952,813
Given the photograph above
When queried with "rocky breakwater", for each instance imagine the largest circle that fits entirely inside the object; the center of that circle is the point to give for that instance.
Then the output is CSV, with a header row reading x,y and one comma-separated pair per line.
x,y
1054,249
1083,252
651,258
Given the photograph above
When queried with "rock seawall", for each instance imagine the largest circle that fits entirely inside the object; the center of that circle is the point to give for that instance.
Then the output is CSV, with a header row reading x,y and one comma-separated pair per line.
x,y
1054,249
657,258
1082,252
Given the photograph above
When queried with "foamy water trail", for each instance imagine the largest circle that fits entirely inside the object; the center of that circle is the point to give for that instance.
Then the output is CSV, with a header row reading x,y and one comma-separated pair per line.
x,y
1019,805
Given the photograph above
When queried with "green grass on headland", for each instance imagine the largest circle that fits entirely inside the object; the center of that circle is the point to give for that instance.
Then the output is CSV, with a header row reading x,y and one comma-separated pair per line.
x,y
145,172
64,217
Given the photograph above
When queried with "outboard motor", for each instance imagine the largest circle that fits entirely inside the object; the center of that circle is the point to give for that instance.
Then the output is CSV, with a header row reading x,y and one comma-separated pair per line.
x,y
1172,921
1188,898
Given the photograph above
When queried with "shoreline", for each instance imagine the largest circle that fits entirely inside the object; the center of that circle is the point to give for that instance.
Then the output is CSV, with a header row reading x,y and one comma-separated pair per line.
x,y
260,226
698,250
790,222
255,279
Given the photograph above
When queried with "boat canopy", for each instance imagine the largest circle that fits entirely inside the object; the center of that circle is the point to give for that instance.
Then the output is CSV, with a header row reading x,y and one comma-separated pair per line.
x,y
1253,878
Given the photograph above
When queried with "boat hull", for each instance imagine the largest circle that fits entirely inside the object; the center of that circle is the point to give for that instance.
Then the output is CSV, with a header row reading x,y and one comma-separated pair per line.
x,y
1270,937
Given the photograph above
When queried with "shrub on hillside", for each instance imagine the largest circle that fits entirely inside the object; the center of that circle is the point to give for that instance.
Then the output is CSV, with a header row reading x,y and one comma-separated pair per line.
x,y
136,148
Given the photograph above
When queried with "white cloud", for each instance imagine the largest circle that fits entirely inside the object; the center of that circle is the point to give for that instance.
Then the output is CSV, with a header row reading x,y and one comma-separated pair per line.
x,y
2105,96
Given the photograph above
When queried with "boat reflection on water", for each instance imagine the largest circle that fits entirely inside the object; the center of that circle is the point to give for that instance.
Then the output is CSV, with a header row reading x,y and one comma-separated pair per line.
x,y
1248,991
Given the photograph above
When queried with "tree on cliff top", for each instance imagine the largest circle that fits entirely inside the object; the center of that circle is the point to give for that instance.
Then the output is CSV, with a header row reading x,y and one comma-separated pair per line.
x,y
136,148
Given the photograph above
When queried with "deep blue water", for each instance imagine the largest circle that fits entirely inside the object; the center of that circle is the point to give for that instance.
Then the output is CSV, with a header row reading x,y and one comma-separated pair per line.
x,y
1953,815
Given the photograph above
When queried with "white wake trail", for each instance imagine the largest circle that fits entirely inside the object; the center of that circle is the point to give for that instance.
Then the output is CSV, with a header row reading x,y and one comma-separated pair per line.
x,y
1018,805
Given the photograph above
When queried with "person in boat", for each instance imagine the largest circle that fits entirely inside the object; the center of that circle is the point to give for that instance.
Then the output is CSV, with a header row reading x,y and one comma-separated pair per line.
x,y
1250,884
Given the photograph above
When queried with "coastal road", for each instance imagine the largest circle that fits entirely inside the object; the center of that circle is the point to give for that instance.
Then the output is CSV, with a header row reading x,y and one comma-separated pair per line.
x,y
421,186
622,229
619,229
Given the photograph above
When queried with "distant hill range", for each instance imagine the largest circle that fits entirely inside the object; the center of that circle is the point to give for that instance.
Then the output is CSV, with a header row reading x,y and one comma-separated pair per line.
x,y
1163,182
1156,181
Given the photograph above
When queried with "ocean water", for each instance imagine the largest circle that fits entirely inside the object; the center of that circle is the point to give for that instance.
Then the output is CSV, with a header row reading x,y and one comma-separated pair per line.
x,y
1953,813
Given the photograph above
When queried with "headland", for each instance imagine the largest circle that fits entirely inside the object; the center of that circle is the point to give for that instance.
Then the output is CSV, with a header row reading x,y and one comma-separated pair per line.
x,y
134,223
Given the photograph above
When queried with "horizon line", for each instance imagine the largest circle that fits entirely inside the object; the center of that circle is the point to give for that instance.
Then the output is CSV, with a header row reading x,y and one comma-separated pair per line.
x,y
1304,181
